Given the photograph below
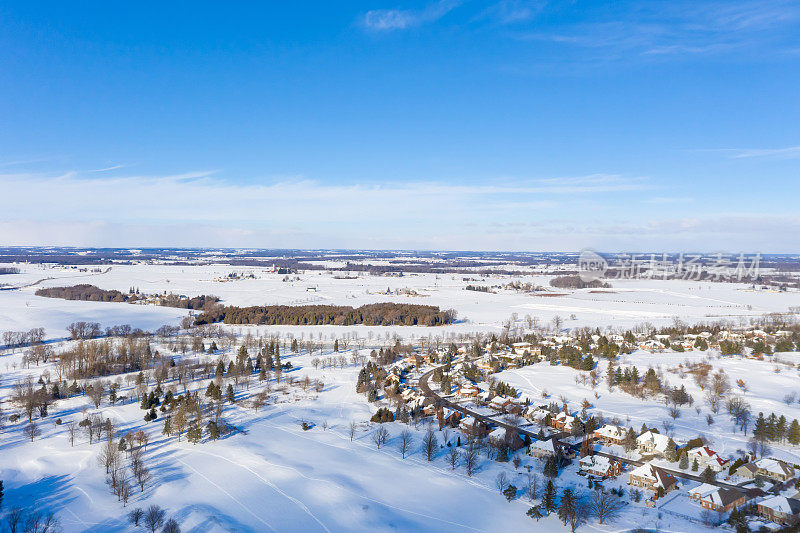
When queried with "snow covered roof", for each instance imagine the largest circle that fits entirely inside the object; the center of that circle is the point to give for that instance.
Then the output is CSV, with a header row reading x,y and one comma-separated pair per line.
x,y
610,431
660,477
545,445
722,497
782,504
775,466
597,463
658,440
702,490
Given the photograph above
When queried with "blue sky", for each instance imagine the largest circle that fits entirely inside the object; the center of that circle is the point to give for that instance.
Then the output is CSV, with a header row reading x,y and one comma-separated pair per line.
x,y
498,125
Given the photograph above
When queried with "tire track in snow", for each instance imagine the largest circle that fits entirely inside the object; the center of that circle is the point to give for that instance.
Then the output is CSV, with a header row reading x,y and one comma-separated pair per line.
x,y
231,496
379,502
266,481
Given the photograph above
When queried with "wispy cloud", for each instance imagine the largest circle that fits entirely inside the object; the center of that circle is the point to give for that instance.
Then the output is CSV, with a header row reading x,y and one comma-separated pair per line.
x,y
171,209
791,152
107,169
679,28
514,11
400,19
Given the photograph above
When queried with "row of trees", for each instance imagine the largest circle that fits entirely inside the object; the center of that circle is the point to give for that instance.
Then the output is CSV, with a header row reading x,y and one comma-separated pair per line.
x,y
381,314
91,293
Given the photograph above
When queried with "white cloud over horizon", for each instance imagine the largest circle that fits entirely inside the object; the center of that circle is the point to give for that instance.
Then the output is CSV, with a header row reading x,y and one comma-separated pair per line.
x,y
196,209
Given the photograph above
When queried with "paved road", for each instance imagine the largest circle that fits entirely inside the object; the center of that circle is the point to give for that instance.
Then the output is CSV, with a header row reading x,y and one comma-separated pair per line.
x,y
427,391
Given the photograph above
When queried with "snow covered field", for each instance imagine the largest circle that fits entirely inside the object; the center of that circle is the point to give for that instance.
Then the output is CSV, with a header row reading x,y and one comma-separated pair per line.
x,y
627,303
274,476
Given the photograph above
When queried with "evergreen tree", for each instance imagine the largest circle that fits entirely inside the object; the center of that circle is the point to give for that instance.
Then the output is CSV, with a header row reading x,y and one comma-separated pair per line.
x,y
231,395
695,466
551,468
167,426
708,475
794,433
213,430
262,374
336,345
1,494
672,452
684,463
567,507
194,434
549,496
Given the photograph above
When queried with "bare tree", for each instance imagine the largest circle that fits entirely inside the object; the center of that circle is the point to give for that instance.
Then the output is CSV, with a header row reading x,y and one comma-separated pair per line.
x,y
71,431
135,516
109,455
171,527
605,506
380,436
154,517
429,444
532,482
453,456
406,440
471,460
352,430
501,481
31,431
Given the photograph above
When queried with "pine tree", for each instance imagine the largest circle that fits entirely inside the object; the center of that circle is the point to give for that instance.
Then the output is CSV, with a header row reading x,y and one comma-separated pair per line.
x,y
708,475
231,395
213,430
549,496
684,463
336,345
1,494
567,506
167,426
262,374
672,453
794,433
760,428
695,466
551,468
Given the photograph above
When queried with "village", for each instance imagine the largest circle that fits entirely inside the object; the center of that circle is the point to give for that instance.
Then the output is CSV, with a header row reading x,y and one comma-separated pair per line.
x,y
663,472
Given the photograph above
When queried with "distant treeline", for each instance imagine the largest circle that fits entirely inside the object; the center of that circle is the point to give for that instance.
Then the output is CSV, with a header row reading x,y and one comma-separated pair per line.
x,y
90,293
575,282
381,314
9,270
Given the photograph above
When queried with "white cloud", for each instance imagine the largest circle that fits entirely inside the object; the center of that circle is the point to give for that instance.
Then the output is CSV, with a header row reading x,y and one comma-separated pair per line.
x,y
399,19
791,152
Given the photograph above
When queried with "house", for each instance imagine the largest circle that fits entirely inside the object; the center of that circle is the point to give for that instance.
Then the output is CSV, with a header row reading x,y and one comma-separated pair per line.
x,y
774,469
653,478
706,457
599,465
521,347
747,470
544,448
701,491
722,499
503,437
501,403
468,391
610,434
447,416
472,426
780,509
652,443
562,421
